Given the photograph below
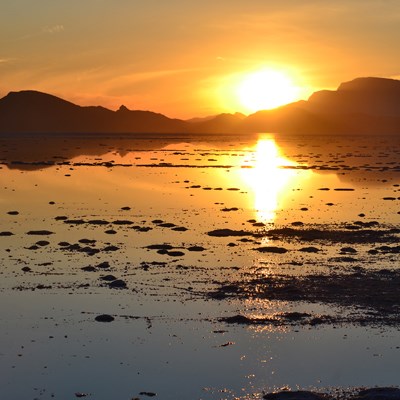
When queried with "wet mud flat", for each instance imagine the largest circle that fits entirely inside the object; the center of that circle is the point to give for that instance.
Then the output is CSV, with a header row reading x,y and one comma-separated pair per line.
x,y
152,263
388,393
354,283
362,297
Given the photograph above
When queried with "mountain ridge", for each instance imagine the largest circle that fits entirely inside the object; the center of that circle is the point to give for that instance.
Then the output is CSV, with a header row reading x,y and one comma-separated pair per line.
x,y
368,105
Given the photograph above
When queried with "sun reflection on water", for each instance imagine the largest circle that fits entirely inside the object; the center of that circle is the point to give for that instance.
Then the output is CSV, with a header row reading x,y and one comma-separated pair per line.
x,y
268,180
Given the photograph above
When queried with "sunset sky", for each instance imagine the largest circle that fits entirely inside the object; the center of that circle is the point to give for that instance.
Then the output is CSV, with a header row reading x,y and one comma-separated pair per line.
x,y
188,58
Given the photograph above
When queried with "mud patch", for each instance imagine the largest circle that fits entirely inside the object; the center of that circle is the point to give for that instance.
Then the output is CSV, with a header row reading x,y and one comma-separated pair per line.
x,y
382,393
363,297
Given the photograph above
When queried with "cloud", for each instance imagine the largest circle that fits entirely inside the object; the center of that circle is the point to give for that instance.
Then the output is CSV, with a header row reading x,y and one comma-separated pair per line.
x,y
125,82
53,29
6,60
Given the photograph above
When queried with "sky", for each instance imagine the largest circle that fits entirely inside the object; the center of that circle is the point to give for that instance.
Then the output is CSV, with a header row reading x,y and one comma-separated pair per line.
x,y
186,58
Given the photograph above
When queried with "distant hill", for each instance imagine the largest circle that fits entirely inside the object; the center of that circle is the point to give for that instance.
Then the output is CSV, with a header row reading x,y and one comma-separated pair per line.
x,y
361,106
32,111
372,96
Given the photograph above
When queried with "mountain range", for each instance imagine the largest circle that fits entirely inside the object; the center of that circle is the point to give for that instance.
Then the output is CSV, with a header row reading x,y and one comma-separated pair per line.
x,y
361,106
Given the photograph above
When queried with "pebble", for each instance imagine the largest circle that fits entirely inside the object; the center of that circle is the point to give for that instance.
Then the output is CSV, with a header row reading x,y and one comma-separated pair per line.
x,y
104,318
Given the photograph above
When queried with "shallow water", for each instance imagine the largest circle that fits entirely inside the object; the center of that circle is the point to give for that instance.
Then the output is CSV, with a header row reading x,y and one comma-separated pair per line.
x,y
109,197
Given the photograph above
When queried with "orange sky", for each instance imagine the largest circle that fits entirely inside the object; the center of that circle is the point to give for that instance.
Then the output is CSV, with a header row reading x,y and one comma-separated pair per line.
x,y
185,58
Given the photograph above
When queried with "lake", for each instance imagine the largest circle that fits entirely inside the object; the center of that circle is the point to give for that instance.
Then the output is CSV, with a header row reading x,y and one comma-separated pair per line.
x,y
227,266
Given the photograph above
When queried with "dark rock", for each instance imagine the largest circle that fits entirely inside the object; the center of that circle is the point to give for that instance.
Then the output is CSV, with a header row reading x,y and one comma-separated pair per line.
x,y
108,278
87,241
385,393
238,319
26,269
343,259
104,318
6,233
227,344
148,394
175,253
297,223
110,232
162,251
228,232
89,268
61,218
118,284
294,316
103,265
13,212
74,221
42,233
353,227
98,222
310,249
42,243
122,222
111,248
297,395
167,225
159,247
180,229
348,250
196,248
41,286
142,228
271,249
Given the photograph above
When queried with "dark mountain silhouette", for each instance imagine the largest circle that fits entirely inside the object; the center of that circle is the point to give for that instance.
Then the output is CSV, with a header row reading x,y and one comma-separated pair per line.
x,y
373,96
32,111
361,106
220,123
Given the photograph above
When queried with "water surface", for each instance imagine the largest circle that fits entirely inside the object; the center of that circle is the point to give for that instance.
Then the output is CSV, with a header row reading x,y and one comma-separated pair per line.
x,y
106,199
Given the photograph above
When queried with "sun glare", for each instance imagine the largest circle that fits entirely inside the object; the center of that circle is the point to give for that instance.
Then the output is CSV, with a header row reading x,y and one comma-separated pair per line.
x,y
266,89
268,180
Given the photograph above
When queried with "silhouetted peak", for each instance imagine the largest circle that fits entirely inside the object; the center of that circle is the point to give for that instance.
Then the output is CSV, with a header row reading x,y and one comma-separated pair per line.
x,y
34,95
123,109
34,100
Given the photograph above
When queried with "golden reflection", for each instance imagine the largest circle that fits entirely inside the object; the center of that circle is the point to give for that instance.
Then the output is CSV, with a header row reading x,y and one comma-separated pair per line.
x,y
268,180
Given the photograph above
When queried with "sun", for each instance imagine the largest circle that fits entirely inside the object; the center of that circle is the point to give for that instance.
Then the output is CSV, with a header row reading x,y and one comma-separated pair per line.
x,y
266,89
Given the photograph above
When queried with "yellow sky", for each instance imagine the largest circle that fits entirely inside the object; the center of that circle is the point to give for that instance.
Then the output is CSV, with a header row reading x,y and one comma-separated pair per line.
x,y
184,58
